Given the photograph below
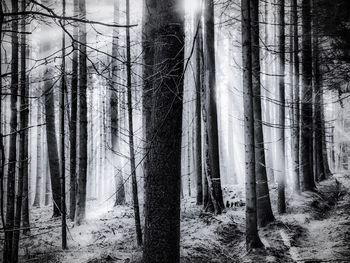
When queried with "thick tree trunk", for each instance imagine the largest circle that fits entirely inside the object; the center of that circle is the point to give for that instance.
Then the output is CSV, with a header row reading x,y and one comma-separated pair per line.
x,y
163,173
252,237
198,113
120,190
73,122
23,141
296,99
215,202
12,160
322,170
131,131
81,195
264,211
52,147
306,145
281,203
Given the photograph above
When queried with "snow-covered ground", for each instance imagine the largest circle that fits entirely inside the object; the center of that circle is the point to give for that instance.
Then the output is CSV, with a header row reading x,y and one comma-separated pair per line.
x,y
315,229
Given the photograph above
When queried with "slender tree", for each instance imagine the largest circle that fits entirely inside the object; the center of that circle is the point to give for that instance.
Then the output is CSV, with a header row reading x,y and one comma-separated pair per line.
x,y
131,130
252,237
163,173
296,98
198,113
62,135
2,148
264,211
12,157
306,145
52,147
24,120
215,201
38,181
81,194
281,203
114,106
73,120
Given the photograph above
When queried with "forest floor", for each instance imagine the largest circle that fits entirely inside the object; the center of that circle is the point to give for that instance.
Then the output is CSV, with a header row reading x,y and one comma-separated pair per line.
x,y
316,228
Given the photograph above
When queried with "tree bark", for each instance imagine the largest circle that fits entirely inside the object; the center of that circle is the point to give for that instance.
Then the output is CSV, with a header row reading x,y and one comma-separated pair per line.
x,y
12,160
264,211
215,201
306,145
81,195
120,190
73,121
52,147
281,202
163,173
38,181
198,113
252,237
62,137
296,99
131,131
24,115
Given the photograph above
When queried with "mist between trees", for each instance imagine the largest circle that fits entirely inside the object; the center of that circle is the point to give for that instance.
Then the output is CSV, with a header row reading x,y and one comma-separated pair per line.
x,y
142,130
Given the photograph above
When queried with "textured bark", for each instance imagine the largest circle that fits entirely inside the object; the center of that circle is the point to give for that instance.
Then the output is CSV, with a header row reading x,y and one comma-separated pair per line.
x,y
81,194
264,211
38,181
2,148
198,113
23,141
252,237
296,99
47,178
163,173
306,145
52,147
62,137
215,201
73,123
12,160
131,131
148,25
24,120
281,202
115,134
322,170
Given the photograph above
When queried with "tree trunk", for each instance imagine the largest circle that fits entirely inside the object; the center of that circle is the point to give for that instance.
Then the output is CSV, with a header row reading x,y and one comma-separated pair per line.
x,y
264,211
62,135
73,122
281,203
306,145
215,201
52,147
296,100
252,237
120,190
198,113
38,182
131,130
163,173
24,115
23,140
2,150
81,195
12,160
